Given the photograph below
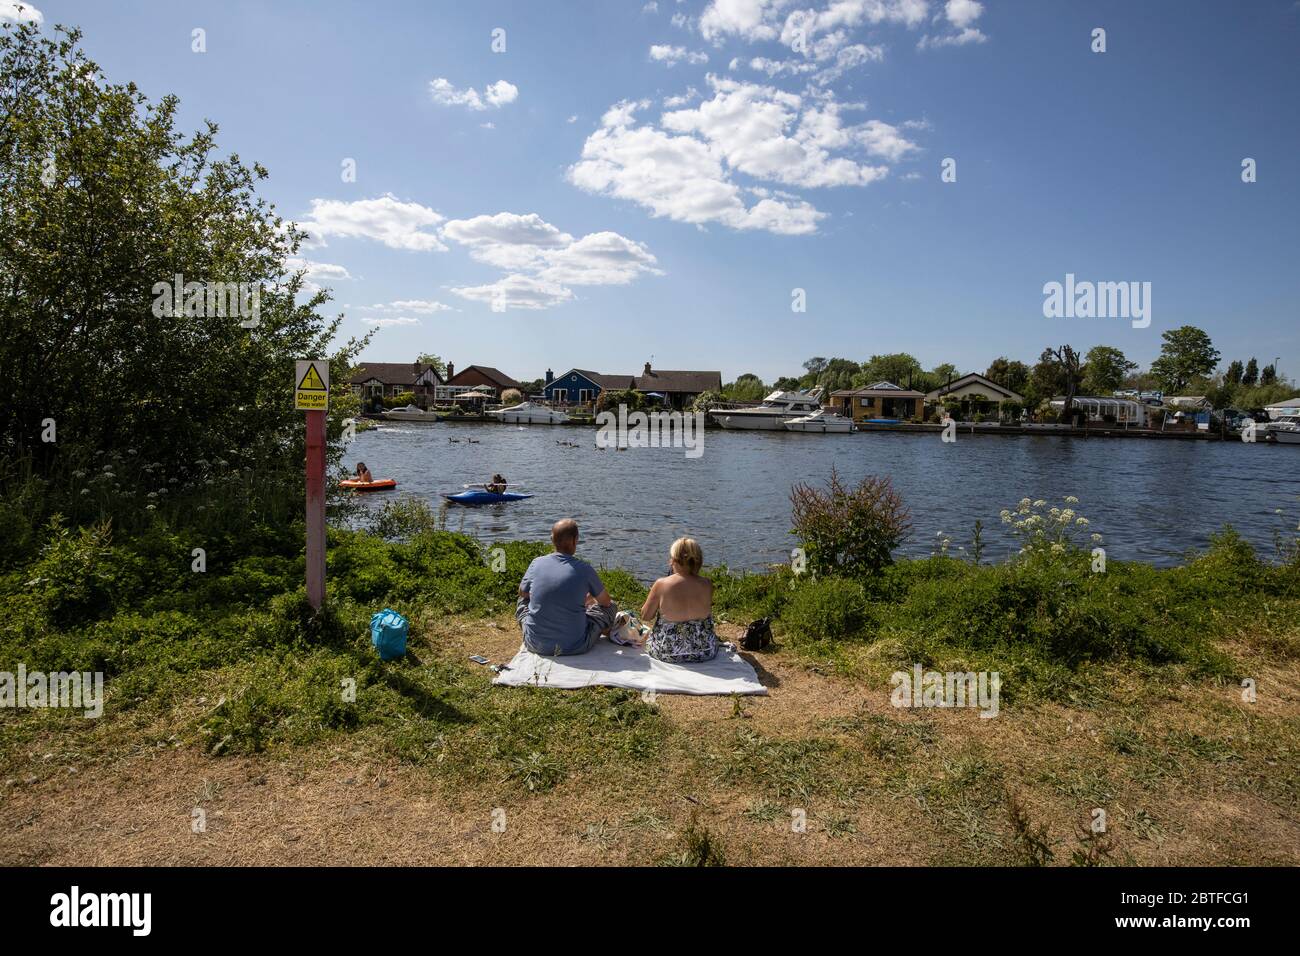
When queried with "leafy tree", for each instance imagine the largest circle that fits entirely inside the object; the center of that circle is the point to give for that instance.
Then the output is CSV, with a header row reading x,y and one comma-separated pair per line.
x,y
103,202
746,388
1063,364
939,376
815,366
787,384
612,399
1268,376
1187,353
1232,377
1009,374
439,366
705,400
1250,377
838,373
898,367
1105,370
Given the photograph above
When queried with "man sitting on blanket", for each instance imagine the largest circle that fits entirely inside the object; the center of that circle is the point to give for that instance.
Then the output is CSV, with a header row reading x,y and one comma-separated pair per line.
x,y
563,606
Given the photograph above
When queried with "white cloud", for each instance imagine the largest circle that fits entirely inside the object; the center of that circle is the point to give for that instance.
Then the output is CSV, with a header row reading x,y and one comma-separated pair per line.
x,y
386,323
20,12
325,271
517,292
507,240
780,137
572,119
748,19
543,261
422,306
681,21
672,55
684,167
397,224
961,15
762,20
494,94
690,96
774,68
600,258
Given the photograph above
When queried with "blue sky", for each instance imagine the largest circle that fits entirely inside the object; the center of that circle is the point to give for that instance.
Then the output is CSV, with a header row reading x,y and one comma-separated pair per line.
x,y
633,180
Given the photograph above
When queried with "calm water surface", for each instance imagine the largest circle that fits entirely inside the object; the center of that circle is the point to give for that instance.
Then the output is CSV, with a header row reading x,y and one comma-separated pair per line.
x,y
1151,499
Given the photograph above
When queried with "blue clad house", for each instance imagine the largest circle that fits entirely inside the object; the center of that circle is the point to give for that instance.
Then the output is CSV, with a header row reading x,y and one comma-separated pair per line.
x,y
582,387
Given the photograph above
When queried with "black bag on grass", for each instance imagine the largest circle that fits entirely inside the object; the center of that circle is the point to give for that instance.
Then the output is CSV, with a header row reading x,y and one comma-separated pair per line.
x,y
758,635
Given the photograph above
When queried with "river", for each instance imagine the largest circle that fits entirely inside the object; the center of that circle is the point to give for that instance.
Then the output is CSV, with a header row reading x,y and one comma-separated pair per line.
x,y
1152,500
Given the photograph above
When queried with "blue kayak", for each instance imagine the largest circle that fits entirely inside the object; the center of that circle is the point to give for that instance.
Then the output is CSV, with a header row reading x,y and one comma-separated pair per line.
x,y
484,497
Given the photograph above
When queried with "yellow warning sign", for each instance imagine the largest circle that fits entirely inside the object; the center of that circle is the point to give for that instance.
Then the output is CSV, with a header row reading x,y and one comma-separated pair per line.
x,y
312,389
311,381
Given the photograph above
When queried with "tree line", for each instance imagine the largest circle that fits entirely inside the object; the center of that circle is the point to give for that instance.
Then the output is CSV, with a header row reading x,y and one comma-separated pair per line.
x,y
1188,364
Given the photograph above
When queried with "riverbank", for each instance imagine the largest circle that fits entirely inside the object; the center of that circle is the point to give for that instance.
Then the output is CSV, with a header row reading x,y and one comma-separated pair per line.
x,y
961,429
1120,691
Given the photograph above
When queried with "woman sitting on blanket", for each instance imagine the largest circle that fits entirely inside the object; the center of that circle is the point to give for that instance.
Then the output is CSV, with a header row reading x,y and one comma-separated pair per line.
x,y
681,606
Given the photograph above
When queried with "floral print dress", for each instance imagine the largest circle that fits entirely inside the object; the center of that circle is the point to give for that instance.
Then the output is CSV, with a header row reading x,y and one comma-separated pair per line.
x,y
682,642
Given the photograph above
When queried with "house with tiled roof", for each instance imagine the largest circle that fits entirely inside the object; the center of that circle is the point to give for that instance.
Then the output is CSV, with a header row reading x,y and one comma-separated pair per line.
x,y
672,387
481,375
883,401
376,380
676,387
582,386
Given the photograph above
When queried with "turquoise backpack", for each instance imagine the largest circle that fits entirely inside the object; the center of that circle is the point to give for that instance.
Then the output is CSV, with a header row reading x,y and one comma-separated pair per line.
x,y
388,634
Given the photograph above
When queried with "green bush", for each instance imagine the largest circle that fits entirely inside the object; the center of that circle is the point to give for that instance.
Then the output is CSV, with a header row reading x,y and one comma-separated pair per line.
x,y
825,609
849,530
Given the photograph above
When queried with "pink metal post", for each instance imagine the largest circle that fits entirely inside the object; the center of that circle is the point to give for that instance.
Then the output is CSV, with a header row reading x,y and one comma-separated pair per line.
x,y
316,509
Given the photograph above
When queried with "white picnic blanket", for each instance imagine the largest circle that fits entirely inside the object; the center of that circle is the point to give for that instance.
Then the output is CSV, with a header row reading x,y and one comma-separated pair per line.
x,y
613,666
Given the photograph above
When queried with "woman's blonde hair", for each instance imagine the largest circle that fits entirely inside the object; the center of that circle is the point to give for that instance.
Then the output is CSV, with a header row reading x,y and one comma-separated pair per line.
x,y
686,552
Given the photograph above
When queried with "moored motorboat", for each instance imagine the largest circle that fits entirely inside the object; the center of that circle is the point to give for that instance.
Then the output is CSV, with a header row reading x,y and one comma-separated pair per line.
x,y
481,497
823,421
777,409
1286,431
529,413
410,413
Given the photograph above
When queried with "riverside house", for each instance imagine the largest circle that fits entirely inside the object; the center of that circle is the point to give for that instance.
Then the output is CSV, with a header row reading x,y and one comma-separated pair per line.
x,y
675,388
378,380
480,382
580,386
976,393
883,400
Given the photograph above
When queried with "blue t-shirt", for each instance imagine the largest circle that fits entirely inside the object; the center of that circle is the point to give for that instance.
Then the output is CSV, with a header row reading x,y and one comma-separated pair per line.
x,y
557,586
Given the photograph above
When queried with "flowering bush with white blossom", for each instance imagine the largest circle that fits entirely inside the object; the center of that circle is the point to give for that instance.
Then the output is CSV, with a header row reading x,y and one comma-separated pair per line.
x,y
1054,531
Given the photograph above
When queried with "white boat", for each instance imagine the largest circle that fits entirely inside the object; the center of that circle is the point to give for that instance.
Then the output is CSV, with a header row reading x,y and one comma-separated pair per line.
x,y
529,413
1284,423
777,409
1286,430
822,421
410,413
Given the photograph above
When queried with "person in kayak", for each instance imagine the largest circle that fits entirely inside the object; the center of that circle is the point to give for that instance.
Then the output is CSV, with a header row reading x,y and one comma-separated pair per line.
x,y
497,485
563,606
363,473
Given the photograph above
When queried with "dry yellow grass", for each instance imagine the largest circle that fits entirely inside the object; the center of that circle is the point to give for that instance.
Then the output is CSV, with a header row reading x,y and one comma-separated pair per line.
x,y
1187,775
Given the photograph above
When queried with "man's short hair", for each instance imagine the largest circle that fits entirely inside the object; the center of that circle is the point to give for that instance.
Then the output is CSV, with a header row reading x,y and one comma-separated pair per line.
x,y
564,533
